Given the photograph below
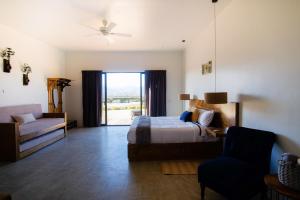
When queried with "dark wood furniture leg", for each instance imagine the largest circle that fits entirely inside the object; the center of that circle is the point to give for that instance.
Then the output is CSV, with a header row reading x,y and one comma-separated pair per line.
x,y
263,195
4,196
9,147
202,186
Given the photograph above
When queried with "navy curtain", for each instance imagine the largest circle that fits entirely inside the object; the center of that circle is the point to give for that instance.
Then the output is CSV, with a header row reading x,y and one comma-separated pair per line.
x,y
91,98
155,92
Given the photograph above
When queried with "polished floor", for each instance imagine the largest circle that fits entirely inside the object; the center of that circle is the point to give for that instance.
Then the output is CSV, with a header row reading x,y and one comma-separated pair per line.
x,y
91,164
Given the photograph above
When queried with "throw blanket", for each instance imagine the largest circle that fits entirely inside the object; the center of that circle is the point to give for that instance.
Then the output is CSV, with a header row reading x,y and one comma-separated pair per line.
x,y
143,130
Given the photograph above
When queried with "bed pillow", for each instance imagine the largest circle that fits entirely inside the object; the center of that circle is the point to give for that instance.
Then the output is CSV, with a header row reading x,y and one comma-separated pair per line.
x,y
206,117
195,115
24,118
186,116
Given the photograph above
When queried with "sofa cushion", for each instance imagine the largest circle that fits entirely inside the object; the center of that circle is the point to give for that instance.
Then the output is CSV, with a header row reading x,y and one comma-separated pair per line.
x,y
39,125
7,111
24,118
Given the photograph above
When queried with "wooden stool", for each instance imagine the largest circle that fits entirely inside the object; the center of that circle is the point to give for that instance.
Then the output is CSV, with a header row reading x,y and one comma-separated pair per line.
x,y
273,183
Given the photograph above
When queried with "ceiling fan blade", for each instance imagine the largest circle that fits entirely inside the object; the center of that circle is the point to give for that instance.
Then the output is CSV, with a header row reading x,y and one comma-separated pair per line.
x,y
111,26
90,27
121,34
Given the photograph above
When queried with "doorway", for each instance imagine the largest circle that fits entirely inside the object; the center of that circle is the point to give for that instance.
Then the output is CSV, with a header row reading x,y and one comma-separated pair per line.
x,y
123,97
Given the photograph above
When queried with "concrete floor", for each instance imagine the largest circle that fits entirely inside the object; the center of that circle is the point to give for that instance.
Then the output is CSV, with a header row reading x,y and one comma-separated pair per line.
x,y
92,164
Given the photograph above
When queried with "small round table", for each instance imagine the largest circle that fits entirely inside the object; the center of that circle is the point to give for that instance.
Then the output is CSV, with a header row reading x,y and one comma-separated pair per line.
x,y
273,183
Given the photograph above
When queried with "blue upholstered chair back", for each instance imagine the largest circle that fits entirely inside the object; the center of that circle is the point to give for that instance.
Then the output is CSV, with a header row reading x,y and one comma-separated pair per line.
x,y
250,145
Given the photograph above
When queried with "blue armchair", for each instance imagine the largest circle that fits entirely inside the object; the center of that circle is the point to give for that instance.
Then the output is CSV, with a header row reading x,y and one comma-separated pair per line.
x,y
239,173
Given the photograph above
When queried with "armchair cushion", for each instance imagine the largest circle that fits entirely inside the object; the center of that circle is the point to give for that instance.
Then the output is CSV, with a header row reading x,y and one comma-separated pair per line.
x,y
250,145
239,173
231,177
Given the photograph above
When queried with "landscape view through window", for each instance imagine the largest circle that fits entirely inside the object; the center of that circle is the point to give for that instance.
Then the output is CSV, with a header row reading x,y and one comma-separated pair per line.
x,y
125,97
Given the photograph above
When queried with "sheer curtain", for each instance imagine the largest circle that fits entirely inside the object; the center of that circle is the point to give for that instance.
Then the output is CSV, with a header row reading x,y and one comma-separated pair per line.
x,y
91,98
155,92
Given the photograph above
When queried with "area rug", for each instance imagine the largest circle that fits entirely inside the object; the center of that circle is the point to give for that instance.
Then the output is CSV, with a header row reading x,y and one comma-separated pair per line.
x,y
179,167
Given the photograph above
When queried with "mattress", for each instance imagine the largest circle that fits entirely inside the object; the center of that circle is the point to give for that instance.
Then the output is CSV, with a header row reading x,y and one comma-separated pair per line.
x,y
171,130
31,143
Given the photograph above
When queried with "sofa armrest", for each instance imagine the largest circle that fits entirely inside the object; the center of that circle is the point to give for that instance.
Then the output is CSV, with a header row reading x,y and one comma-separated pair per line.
x,y
55,115
9,141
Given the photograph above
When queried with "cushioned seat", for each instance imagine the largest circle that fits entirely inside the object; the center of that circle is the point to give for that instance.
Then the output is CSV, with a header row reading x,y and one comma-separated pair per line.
x,y
230,177
239,173
39,124
19,140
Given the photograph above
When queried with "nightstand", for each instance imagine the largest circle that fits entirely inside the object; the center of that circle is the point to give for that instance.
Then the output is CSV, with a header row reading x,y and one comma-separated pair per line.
x,y
216,132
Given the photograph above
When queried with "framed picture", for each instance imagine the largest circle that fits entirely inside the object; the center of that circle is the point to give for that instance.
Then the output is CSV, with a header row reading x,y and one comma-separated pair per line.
x,y
207,68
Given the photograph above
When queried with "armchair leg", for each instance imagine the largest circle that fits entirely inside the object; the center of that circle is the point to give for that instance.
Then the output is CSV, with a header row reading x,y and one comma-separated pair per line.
x,y
202,186
263,195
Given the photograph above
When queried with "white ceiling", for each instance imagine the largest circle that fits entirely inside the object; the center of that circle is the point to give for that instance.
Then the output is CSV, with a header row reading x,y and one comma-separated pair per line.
x,y
154,24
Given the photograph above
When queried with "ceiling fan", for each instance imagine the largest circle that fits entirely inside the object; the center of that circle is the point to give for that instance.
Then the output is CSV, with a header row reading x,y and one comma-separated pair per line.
x,y
106,29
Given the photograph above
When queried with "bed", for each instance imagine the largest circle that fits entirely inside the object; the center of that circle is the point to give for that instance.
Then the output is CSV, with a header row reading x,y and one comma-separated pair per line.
x,y
173,139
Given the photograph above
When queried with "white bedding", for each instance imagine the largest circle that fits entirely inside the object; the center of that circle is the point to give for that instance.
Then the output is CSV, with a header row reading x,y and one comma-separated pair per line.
x,y
170,130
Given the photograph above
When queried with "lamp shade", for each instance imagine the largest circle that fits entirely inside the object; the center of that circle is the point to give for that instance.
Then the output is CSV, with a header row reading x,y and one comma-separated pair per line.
x,y
215,97
184,97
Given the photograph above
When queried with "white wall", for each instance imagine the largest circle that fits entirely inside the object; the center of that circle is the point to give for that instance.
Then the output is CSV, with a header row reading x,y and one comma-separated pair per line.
x,y
172,61
44,60
258,63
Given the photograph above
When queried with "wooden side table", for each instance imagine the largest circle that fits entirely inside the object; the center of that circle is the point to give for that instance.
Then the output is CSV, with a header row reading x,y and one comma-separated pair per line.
x,y
280,190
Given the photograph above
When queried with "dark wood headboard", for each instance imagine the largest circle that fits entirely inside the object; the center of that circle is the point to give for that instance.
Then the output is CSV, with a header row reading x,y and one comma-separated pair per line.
x,y
226,115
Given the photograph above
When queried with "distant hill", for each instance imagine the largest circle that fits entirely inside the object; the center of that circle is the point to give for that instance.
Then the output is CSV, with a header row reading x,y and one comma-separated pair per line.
x,y
133,91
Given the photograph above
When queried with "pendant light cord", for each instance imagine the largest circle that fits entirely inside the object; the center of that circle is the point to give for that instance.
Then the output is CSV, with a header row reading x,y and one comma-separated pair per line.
x,y
215,24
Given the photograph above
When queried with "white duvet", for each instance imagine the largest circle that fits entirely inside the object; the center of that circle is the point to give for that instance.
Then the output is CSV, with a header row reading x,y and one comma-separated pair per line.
x,y
170,130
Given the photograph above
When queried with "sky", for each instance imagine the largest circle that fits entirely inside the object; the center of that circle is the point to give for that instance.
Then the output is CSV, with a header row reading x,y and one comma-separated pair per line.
x,y
123,84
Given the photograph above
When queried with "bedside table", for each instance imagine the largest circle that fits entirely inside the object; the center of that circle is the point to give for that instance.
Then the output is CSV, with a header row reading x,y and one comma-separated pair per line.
x,y
216,132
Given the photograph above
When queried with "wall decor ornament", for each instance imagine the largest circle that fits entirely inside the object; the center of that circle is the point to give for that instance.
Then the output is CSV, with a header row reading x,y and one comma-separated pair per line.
x,y
26,69
207,68
63,82
55,90
5,54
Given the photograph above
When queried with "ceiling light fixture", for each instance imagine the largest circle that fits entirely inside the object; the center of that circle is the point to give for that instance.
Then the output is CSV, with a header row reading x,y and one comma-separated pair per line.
x,y
215,97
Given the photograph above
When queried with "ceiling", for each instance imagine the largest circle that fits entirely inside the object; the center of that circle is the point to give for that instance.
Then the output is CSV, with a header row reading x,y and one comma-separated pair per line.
x,y
154,24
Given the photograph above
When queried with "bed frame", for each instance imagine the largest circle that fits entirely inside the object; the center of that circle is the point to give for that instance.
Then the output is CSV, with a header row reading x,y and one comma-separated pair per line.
x,y
226,115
